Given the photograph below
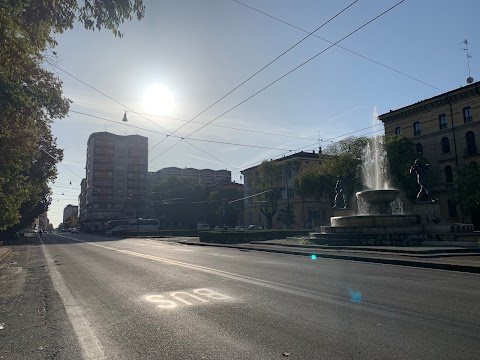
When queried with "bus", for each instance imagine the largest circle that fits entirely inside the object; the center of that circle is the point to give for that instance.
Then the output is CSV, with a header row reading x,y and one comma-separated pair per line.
x,y
132,225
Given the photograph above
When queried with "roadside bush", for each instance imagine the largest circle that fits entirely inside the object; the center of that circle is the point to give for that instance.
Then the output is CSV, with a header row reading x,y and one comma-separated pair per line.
x,y
237,237
158,233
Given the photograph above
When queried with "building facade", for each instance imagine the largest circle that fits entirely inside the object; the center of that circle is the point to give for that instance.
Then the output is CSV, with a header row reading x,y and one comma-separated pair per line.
x,y
308,212
116,179
445,130
69,211
204,176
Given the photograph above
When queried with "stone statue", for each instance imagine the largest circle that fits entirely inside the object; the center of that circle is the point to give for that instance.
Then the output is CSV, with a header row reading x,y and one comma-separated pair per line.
x,y
340,194
421,171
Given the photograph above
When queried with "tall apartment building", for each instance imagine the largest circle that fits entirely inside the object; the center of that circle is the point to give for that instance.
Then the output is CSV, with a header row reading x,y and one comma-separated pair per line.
x,y
116,179
445,129
308,212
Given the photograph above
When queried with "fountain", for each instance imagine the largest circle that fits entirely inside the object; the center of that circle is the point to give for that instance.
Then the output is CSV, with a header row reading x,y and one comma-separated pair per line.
x,y
379,219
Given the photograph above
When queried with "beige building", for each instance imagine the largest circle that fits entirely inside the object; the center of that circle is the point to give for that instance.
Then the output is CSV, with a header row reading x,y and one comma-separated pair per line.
x,y
309,213
445,129
116,179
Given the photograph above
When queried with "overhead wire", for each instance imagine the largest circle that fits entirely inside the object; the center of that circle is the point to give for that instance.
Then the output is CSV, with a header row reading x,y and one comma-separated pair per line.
x,y
201,123
126,107
263,68
284,75
341,47
180,137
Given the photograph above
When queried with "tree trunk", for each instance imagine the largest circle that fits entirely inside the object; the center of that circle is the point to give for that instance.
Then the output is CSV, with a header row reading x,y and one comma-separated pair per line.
x,y
269,221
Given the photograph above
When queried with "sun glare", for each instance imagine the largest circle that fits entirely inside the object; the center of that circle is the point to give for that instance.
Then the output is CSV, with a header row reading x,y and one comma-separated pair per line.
x,y
158,100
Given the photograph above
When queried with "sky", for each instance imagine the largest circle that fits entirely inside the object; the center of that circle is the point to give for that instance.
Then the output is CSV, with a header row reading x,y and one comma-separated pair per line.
x,y
200,50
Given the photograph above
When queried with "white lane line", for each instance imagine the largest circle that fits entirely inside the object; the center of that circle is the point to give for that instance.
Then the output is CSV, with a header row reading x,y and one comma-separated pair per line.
x,y
91,347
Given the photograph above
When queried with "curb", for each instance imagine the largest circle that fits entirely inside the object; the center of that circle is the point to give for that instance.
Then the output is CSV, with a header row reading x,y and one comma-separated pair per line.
x,y
419,264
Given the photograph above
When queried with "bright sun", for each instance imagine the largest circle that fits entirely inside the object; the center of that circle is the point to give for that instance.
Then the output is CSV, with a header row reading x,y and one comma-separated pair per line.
x,y
158,100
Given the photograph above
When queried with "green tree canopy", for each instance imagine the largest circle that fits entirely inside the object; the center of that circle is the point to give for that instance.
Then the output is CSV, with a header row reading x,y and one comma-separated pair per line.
x,y
468,186
344,160
401,155
31,97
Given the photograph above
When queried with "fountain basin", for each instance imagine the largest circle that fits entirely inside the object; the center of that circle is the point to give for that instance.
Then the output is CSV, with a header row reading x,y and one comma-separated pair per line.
x,y
377,201
376,221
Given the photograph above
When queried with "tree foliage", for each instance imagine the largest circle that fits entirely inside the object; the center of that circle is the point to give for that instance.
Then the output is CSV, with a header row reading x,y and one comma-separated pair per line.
x,y
468,186
31,97
401,155
180,202
225,211
344,160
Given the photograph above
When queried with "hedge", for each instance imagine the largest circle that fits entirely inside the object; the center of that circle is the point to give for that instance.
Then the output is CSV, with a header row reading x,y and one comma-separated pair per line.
x,y
159,233
237,237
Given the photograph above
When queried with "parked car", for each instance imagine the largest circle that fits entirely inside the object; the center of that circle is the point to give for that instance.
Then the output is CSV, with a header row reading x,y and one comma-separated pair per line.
x,y
254,227
74,231
238,228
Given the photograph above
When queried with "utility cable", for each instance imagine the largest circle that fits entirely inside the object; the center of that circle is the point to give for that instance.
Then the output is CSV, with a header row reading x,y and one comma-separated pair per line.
x,y
180,137
263,68
341,47
285,75
116,101
201,123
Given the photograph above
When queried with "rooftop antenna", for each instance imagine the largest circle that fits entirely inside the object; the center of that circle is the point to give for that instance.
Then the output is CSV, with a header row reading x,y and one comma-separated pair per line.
x,y
319,143
467,53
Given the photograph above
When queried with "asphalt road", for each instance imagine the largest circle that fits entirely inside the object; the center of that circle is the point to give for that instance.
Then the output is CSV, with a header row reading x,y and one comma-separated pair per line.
x,y
147,299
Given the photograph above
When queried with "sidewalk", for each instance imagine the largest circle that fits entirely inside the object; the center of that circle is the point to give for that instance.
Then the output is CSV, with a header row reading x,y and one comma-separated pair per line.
x,y
4,251
456,258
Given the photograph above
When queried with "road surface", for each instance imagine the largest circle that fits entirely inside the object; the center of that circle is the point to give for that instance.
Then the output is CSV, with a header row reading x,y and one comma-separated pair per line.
x,y
150,299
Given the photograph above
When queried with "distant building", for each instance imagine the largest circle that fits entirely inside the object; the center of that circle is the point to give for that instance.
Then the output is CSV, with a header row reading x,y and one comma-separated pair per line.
x,y
68,211
205,176
444,129
308,212
116,179
190,213
82,200
43,221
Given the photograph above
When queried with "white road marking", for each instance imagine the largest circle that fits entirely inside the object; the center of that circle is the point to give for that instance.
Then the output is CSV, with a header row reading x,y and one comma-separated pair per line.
x,y
91,347
179,296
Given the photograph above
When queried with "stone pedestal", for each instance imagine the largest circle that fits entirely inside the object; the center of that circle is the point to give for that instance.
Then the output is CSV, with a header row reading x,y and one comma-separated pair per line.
x,y
343,212
429,213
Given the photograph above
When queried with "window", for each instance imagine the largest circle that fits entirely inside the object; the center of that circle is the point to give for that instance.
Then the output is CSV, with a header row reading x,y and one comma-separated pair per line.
x,y
471,145
442,121
419,148
445,145
416,128
467,115
398,130
452,208
448,174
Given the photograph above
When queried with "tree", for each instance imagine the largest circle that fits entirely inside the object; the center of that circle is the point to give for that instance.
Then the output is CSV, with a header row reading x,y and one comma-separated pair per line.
x,y
180,202
468,189
286,216
31,97
401,155
352,145
225,211
267,181
344,161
